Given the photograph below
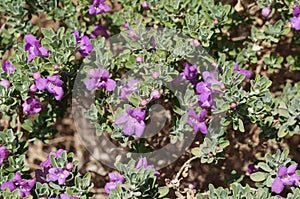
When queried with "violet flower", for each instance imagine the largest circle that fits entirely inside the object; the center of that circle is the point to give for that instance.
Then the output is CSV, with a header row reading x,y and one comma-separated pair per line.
x,y
42,175
197,121
99,79
3,154
286,177
205,99
115,179
143,163
5,83
190,73
129,88
58,174
53,84
85,44
8,68
99,31
133,120
31,106
242,71
98,7
295,21
47,163
34,48
17,183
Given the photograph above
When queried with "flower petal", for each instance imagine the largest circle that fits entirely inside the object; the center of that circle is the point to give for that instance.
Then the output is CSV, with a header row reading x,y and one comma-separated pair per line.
x,y
277,186
292,168
282,171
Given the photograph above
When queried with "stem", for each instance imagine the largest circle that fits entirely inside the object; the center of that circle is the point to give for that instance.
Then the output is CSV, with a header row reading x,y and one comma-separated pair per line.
x,y
186,164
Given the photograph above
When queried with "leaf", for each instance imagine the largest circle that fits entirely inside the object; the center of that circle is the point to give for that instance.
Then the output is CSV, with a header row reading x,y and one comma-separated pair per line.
x,y
258,176
163,191
196,151
264,166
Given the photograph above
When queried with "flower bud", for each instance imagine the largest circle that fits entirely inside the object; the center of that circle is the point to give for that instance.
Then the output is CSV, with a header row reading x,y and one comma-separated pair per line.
x,y
233,105
144,102
216,22
69,166
155,75
55,67
37,75
210,154
145,5
33,88
5,83
155,94
139,59
222,86
265,12
217,148
196,42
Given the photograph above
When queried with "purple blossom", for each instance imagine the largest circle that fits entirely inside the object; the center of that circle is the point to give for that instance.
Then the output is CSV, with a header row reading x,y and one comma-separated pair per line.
x,y
5,83
242,71
125,25
41,175
133,120
205,99
197,121
31,106
34,48
115,179
8,68
286,177
190,73
47,163
53,84
129,88
98,7
58,174
3,154
17,183
99,31
143,163
99,79
85,44
295,21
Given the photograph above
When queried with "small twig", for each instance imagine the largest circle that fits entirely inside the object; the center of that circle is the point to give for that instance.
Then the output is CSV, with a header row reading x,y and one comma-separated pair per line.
x,y
186,164
111,108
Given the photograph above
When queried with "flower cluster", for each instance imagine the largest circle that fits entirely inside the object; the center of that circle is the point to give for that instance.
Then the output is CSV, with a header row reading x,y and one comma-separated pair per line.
x,y
295,21
31,106
197,121
144,163
17,183
53,84
8,68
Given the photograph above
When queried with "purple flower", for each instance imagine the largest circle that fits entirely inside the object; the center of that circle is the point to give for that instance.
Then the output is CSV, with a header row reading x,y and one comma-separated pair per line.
x,y
129,88
197,121
34,48
47,163
8,68
17,183
85,44
99,79
115,179
5,83
205,99
266,11
189,73
31,106
58,174
66,196
295,21
242,71
286,177
3,154
143,163
133,120
41,175
52,84
98,7
99,30
125,25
